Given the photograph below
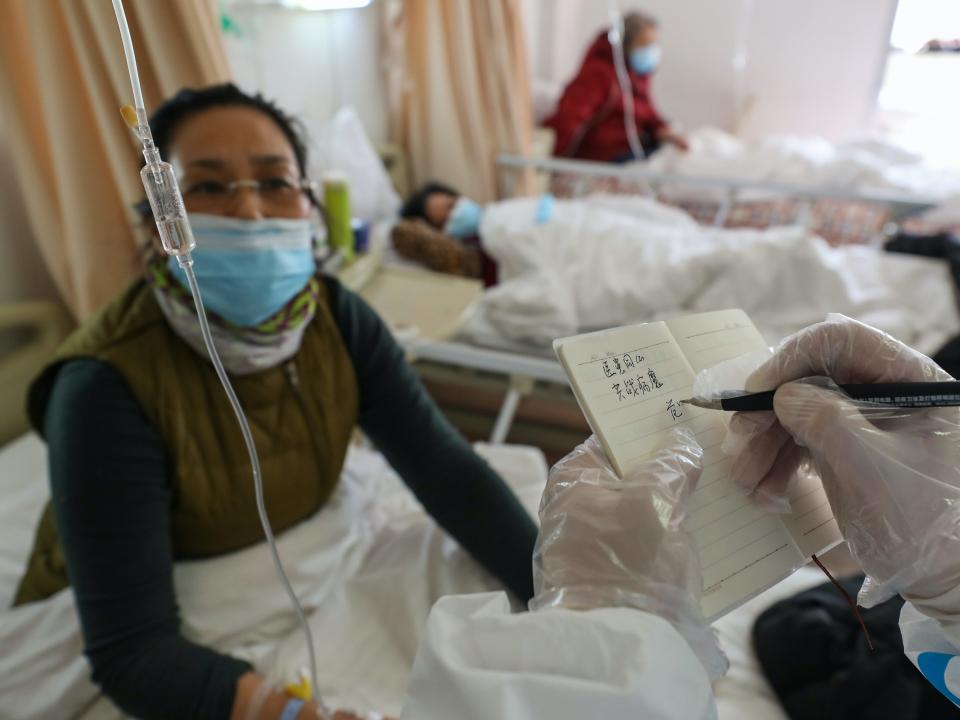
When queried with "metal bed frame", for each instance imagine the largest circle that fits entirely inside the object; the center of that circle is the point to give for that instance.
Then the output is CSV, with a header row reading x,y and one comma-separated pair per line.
x,y
522,372
900,204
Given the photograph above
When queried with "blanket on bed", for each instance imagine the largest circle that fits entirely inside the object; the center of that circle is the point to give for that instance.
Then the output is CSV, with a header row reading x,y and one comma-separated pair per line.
x,y
601,262
368,568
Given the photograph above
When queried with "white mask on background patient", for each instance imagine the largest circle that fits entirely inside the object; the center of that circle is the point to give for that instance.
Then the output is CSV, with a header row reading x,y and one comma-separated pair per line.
x,y
464,220
644,60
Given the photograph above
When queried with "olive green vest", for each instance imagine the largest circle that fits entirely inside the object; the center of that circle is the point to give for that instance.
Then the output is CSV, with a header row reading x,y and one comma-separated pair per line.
x,y
301,413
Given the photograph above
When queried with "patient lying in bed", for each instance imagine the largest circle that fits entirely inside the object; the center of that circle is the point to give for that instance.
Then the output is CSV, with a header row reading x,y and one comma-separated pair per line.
x,y
441,229
606,260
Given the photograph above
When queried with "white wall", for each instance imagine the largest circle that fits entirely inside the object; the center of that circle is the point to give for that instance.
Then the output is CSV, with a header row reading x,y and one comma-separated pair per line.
x,y
817,65
23,274
312,63
811,67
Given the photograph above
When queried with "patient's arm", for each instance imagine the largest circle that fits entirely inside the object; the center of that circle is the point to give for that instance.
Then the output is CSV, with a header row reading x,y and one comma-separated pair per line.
x,y
457,487
252,704
111,502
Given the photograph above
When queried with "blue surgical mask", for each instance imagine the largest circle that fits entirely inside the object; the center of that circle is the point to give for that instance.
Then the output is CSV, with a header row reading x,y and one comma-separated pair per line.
x,y
249,269
644,60
464,220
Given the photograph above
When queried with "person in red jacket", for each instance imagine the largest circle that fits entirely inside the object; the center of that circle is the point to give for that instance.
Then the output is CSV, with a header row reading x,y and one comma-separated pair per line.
x,y
589,119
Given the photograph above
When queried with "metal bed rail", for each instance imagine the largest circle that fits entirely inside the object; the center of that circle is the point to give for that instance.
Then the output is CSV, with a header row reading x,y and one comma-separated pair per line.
x,y
522,371
900,204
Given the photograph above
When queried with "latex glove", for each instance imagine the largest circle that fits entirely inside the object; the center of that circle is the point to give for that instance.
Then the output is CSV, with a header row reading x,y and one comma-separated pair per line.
x,y
607,542
892,476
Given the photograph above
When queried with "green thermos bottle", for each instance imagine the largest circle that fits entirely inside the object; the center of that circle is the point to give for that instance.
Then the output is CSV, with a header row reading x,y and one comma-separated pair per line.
x,y
336,200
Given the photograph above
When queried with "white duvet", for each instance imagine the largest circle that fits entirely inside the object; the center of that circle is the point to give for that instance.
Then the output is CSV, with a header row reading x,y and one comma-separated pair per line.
x,y
807,161
368,569
604,261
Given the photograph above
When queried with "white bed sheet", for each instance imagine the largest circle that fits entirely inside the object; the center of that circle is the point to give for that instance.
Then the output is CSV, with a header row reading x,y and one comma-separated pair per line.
x,y
23,491
381,565
805,161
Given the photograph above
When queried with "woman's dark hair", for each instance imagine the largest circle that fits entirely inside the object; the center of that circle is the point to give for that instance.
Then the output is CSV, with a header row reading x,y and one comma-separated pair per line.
x,y
416,204
189,102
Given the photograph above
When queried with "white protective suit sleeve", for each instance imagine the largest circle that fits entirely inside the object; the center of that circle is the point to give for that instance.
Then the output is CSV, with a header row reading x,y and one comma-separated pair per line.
x,y
933,645
478,661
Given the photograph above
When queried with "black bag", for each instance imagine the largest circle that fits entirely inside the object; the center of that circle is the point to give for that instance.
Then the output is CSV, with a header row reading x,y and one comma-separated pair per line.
x,y
938,245
815,656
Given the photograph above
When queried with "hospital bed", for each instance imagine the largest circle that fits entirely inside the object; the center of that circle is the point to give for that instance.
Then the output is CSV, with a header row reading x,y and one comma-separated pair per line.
x,y
375,563
383,564
471,344
841,214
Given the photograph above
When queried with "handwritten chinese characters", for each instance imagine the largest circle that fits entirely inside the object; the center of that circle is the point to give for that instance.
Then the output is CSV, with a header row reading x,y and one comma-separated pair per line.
x,y
636,386
675,410
620,364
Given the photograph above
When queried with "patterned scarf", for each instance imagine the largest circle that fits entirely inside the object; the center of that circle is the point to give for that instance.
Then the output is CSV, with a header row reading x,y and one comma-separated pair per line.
x,y
243,350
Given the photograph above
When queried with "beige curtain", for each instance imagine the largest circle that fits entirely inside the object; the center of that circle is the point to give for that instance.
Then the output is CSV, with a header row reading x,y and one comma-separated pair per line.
x,y
62,81
458,90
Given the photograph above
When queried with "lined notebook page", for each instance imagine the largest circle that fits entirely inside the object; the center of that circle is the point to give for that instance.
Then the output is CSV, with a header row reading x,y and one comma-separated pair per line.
x,y
629,382
710,338
743,549
811,524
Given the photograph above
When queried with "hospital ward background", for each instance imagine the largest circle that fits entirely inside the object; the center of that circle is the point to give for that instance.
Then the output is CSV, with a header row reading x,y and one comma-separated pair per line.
x,y
429,194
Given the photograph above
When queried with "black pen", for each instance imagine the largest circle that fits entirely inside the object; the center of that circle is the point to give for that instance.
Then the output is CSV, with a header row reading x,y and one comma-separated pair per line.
x,y
901,395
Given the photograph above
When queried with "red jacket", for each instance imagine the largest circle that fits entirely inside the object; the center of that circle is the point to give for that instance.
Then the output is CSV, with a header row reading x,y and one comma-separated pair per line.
x,y
588,120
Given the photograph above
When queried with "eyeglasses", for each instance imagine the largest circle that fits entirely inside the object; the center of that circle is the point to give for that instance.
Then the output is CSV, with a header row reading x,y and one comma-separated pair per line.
x,y
279,193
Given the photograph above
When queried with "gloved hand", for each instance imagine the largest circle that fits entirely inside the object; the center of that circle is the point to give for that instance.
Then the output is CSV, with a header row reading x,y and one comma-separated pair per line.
x,y
607,542
892,476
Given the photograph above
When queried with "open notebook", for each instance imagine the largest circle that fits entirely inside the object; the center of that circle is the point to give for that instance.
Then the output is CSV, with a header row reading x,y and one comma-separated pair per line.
x,y
629,382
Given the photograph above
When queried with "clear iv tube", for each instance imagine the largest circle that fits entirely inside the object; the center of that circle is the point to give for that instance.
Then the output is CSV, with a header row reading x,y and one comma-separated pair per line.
x,y
187,265
129,55
615,36
177,238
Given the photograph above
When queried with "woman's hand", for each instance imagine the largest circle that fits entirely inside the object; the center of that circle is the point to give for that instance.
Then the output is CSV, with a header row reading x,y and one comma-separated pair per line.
x,y
667,137
254,701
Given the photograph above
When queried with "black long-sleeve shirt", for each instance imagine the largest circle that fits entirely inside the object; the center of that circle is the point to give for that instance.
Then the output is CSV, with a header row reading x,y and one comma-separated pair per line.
x,y
110,480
